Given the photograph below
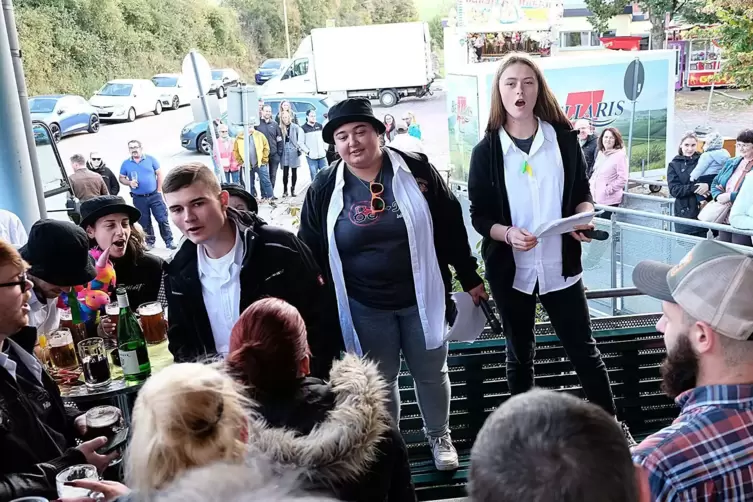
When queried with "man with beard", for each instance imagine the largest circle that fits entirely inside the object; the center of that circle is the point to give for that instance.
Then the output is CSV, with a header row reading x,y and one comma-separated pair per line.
x,y
707,302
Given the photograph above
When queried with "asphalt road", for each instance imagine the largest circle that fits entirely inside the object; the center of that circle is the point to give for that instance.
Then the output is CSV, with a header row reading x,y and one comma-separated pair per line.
x,y
160,136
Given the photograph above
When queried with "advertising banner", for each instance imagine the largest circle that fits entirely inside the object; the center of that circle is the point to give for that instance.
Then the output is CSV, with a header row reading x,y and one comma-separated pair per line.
x,y
463,121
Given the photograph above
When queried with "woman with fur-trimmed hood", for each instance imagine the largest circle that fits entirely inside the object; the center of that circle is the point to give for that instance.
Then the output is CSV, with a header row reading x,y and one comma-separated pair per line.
x,y
337,435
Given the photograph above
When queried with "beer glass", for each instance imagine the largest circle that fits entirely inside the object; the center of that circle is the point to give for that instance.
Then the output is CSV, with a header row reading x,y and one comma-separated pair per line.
x,y
93,357
153,322
78,331
103,421
72,473
61,349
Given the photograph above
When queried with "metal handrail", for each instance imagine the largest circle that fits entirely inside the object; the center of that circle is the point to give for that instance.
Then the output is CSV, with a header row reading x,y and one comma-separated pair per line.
x,y
647,181
675,219
652,198
596,294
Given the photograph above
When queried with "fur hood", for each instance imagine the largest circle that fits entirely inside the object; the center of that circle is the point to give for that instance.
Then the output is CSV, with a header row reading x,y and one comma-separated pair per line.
x,y
342,447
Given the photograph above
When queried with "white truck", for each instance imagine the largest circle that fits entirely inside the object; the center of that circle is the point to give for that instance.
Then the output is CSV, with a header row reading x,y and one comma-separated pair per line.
x,y
384,62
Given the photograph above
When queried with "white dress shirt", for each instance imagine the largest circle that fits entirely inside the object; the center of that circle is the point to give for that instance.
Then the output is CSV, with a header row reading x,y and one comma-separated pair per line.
x,y
29,360
536,198
407,143
11,229
221,289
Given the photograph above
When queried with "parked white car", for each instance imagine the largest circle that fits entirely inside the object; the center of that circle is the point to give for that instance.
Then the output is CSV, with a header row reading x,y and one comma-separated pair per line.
x,y
175,90
126,99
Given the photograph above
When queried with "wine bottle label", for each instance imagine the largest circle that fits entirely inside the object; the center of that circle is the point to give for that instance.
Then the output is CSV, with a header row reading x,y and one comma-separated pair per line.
x,y
129,361
123,301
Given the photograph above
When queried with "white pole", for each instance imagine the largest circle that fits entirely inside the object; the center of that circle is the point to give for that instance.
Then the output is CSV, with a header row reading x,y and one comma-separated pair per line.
x,y
205,104
248,144
287,31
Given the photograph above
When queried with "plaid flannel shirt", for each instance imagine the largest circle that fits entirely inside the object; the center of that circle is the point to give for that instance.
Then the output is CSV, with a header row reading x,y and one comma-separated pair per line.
x,y
707,452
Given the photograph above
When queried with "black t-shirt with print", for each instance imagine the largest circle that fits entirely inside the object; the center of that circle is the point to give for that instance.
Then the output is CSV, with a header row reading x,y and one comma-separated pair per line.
x,y
374,247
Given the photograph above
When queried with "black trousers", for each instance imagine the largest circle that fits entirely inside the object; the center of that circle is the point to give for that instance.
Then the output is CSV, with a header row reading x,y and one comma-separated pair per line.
x,y
570,318
293,179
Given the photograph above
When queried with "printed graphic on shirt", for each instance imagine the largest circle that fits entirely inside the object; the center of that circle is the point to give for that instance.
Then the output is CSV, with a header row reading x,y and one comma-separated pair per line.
x,y
361,214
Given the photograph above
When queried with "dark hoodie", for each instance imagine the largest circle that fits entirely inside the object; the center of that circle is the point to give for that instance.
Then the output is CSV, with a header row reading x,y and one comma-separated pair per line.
x,y
338,436
275,264
113,185
683,190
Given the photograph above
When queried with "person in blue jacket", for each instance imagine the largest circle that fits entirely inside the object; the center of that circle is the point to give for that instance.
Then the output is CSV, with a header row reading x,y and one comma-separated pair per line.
x,y
729,181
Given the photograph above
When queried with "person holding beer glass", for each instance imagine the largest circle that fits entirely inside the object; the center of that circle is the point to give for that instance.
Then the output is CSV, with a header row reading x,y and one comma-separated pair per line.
x,y
110,223
37,433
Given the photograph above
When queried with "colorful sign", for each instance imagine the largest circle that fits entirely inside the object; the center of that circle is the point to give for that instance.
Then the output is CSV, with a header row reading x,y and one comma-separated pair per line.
x,y
489,12
463,122
705,79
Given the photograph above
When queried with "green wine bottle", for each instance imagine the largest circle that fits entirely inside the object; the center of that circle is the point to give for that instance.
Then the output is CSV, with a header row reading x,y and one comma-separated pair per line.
x,y
134,359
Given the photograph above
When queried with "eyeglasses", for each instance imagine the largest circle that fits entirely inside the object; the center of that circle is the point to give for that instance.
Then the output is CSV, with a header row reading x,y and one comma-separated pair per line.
x,y
377,203
23,282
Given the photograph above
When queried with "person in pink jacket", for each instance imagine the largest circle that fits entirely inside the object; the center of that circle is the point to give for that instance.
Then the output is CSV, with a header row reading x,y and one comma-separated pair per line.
x,y
224,146
610,170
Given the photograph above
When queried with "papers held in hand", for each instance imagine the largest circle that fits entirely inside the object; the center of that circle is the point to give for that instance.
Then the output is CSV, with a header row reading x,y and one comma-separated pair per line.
x,y
470,321
564,225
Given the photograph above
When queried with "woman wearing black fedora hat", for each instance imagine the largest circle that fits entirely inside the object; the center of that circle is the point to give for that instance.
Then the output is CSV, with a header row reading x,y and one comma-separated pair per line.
x,y
110,222
385,228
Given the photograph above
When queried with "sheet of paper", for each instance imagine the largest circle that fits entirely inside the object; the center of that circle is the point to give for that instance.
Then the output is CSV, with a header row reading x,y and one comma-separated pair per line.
x,y
469,322
564,225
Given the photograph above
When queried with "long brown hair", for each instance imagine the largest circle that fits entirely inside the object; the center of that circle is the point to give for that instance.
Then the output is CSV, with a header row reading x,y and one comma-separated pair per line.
x,y
266,345
618,143
546,108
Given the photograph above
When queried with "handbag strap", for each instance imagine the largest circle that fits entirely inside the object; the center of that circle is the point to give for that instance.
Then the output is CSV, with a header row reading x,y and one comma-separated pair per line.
x,y
746,170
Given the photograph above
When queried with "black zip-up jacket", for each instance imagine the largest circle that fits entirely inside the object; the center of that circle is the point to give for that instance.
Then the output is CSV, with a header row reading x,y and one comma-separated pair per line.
x,y
450,235
490,205
683,190
589,152
29,456
275,264
113,185
271,130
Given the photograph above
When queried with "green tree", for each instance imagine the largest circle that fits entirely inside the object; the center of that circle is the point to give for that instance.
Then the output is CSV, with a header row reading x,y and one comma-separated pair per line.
x,y
436,30
689,10
735,36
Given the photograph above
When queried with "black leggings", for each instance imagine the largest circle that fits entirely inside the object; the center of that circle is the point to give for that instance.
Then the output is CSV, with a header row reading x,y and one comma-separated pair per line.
x,y
294,178
571,320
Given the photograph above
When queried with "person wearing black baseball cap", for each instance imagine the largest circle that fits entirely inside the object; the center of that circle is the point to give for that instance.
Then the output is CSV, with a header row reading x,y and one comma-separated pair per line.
x,y
240,199
110,222
385,227
707,322
58,255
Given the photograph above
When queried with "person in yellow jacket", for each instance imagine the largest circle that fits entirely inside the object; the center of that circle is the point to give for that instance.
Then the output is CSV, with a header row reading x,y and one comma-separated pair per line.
x,y
258,162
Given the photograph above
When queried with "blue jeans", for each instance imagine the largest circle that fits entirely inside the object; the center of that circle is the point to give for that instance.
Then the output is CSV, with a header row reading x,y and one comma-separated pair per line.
x,y
265,183
316,165
153,204
233,177
383,335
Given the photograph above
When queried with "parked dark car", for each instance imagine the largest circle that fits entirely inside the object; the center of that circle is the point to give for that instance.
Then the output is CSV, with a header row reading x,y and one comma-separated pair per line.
x,y
269,69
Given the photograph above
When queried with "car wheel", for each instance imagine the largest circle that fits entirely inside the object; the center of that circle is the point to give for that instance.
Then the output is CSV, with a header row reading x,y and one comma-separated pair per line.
x,y
55,130
176,103
94,123
220,92
654,188
158,108
388,98
131,115
202,144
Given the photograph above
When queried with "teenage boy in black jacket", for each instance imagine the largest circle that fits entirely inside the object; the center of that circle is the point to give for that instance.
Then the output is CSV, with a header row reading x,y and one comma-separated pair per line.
x,y
229,260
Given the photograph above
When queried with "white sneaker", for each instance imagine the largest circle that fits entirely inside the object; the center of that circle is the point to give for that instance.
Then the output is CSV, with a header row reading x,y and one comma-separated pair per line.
x,y
445,455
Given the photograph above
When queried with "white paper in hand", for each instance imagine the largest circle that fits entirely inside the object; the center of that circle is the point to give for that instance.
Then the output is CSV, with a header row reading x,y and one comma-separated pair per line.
x,y
469,322
564,225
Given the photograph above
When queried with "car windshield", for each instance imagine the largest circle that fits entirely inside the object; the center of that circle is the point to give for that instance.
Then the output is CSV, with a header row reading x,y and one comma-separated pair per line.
x,y
165,81
271,64
42,105
112,89
218,74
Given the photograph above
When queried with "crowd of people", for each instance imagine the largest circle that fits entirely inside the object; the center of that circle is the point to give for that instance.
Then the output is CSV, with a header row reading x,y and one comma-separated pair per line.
x,y
287,347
